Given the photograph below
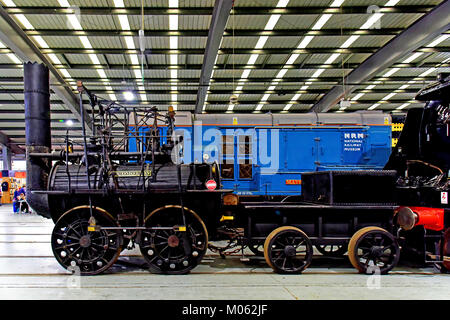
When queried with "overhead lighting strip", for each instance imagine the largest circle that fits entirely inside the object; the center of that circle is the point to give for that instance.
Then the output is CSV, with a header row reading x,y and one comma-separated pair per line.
x,y
129,41
259,45
407,60
75,23
39,40
323,19
173,45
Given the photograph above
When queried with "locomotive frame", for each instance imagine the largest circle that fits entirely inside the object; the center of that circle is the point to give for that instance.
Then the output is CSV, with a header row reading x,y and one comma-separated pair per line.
x,y
105,198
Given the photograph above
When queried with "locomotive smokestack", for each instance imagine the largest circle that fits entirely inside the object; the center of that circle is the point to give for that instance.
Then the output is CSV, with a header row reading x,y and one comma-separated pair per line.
x,y
37,132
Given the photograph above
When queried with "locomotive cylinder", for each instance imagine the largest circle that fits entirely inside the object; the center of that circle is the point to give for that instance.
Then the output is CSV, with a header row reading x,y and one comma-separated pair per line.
x,y
37,132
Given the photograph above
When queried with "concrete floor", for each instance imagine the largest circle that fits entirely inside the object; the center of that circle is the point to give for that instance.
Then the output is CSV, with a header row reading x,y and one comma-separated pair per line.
x,y
29,271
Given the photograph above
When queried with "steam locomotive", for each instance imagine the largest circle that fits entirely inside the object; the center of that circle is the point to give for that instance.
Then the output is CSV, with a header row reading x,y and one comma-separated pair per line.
x,y
135,179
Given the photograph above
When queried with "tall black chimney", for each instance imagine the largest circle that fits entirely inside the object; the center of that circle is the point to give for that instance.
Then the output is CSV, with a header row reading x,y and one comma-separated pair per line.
x,y
37,132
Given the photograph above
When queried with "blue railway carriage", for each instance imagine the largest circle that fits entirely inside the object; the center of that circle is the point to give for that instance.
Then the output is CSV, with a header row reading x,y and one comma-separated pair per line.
x,y
265,154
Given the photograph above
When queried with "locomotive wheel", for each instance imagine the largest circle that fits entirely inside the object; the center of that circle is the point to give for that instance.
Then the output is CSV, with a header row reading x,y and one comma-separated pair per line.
x,y
288,250
332,250
92,252
445,266
170,251
371,248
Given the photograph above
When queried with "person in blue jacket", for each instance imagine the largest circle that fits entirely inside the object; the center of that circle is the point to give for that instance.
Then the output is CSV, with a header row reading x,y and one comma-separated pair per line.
x,y
17,197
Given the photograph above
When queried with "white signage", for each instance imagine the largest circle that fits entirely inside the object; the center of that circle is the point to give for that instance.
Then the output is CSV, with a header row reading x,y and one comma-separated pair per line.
x,y
444,197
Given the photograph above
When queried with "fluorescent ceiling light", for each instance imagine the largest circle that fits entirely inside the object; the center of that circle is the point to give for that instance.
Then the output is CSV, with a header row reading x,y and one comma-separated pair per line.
x,y
9,3
65,73
349,42
13,57
371,21
259,107
322,20
287,107
94,58
41,42
390,72
245,74
359,95
306,40
137,74
113,97
173,3
173,59
318,73
424,74
292,58
413,57
54,58
238,88
174,74
391,3
333,57
129,42
390,95
296,96
173,42
134,59
403,106
272,22
24,21
252,59
282,3
337,3
85,42
128,95
119,4
438,40
74,22
123,19
373,106
230,107
173,22
64,3
265,97
69,123
261,42
101,73
281,73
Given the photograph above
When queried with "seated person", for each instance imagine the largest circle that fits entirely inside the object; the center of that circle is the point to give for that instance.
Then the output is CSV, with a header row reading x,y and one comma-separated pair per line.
x,y
18,194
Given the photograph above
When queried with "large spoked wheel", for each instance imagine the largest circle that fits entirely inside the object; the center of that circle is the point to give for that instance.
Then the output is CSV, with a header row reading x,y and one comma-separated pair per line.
x,y
83,251
288,250
175,250
332,250
373,250
444,267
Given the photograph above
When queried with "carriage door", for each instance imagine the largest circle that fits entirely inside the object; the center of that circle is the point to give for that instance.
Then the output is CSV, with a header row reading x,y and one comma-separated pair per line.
x,y
237,163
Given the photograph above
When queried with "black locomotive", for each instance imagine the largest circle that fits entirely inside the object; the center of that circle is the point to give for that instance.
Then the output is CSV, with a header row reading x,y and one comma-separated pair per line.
x,y
104,198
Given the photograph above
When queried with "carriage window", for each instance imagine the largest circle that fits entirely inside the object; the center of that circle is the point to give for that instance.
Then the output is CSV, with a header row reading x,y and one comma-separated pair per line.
x,y
245,169
245,157
228,145
245,145
227,171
